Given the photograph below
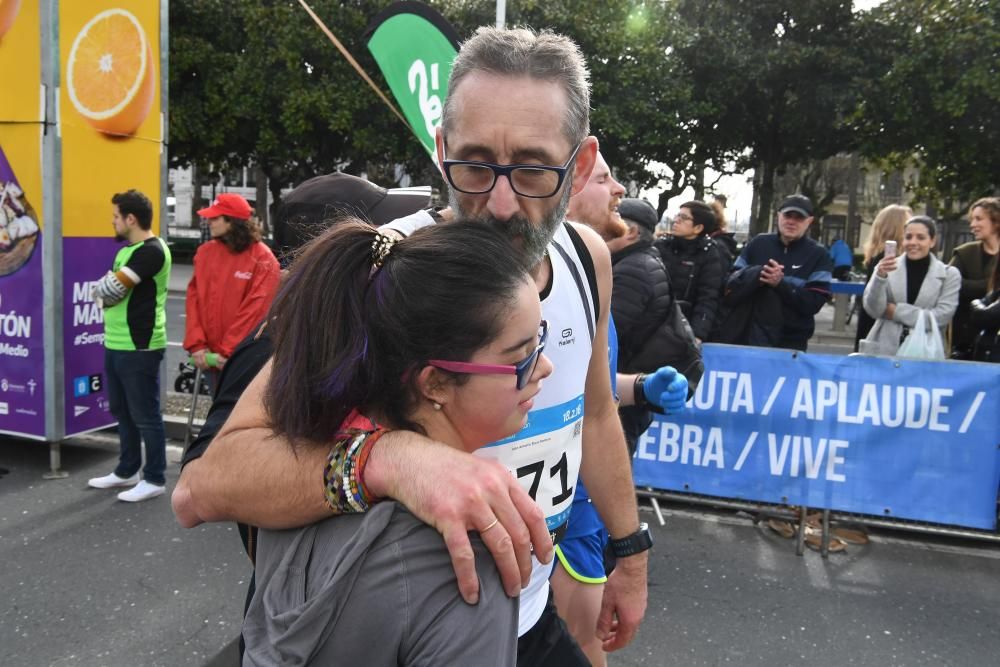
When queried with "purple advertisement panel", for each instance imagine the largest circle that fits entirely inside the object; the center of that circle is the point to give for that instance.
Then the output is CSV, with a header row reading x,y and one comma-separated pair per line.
x,y
22,351
85,260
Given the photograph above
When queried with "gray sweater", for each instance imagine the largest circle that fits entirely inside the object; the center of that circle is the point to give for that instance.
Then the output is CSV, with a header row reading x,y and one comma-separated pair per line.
x,y
373,589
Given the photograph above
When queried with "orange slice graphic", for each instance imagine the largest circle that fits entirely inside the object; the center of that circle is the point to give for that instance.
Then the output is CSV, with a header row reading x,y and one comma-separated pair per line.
x,y
109,72
8,12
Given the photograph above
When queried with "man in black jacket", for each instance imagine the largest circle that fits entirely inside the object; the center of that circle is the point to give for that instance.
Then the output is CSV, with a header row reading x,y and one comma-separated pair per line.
x,y
697,266
778,284
642,298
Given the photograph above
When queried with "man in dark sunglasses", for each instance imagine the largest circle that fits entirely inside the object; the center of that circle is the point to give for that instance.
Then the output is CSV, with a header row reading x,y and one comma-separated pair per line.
x,y
514,146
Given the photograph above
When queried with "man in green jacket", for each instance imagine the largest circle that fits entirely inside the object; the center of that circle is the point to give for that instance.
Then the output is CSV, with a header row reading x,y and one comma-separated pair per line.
x,y
134,297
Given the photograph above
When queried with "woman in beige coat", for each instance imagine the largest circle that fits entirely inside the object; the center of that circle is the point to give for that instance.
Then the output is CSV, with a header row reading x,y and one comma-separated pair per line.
x,y
903,286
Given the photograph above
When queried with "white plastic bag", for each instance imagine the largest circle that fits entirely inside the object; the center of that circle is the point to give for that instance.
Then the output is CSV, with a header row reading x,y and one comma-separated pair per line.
x,y
924,341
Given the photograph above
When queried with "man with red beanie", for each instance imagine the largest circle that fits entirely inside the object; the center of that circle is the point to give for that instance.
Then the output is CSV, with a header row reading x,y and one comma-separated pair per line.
x,y
235,279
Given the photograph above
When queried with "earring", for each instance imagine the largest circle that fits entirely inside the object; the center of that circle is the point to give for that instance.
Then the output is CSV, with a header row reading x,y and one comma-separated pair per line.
x,y
437,406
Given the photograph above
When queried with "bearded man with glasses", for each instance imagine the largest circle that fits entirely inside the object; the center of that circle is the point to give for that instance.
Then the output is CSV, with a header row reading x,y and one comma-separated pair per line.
x,y
514,146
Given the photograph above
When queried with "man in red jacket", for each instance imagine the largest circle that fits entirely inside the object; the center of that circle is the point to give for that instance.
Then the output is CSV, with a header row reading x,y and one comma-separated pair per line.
x,y
235,278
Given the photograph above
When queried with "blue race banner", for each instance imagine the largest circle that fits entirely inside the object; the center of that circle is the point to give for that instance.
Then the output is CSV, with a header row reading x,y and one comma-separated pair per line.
x,y
896,438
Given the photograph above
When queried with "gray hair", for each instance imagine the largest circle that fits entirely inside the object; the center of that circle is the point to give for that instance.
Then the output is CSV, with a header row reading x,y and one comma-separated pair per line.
x,y
644,234
544,55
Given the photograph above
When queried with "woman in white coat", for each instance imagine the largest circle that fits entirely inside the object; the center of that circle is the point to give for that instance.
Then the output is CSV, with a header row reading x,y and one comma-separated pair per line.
x,y
901,287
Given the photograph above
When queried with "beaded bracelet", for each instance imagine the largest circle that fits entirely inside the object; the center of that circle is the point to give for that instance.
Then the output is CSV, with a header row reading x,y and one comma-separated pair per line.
x,y
343,474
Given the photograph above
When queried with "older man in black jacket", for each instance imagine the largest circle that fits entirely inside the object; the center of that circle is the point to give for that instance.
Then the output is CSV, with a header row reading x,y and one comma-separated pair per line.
x,y
652,332
642,299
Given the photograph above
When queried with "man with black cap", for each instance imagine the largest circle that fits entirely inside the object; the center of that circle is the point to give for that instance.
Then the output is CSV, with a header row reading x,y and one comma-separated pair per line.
x,y
786,277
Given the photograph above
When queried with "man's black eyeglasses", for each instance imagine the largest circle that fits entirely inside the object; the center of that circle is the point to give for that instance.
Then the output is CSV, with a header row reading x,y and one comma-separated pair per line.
x,y
537,181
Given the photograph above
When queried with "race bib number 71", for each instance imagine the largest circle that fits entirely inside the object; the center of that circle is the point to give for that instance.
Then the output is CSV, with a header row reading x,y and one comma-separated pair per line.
x,y
545,458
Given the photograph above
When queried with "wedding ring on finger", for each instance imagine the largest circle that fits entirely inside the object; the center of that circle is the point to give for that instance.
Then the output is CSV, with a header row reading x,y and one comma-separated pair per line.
x,y
495,522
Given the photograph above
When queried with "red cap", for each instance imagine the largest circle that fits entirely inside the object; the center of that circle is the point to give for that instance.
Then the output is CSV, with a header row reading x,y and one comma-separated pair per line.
x,y
229,204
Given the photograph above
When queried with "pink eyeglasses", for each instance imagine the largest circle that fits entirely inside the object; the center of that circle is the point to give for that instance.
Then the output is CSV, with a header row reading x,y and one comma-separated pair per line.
x,y
522,369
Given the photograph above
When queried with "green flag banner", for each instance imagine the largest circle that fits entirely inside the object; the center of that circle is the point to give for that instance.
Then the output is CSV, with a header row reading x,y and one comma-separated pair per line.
x,y
414,47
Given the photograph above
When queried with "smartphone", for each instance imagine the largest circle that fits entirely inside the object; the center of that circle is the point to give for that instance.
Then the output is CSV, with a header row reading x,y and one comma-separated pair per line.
x,y
890,248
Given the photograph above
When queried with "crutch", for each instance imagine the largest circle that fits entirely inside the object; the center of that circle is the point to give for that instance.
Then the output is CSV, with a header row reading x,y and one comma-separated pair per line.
x,y
188,436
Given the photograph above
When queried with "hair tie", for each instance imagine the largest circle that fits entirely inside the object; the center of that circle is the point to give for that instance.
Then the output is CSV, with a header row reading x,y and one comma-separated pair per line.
x,y
381,245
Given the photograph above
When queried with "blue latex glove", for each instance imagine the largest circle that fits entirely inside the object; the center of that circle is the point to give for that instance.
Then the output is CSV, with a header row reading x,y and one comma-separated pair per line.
x,y
666,389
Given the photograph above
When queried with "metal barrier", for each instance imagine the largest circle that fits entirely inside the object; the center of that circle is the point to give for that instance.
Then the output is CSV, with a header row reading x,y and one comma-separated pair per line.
x,y
798,514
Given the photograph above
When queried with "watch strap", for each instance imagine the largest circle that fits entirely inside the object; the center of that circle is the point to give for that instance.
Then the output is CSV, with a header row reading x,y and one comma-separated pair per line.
x,y
639,396
639,541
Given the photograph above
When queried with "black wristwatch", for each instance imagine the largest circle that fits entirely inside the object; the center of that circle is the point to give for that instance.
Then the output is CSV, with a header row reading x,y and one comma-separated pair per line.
x,y
639,397
636,543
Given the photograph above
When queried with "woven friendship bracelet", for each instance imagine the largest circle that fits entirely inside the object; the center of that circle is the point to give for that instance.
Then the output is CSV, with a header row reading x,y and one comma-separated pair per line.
x,y
343,474
332,478
352,488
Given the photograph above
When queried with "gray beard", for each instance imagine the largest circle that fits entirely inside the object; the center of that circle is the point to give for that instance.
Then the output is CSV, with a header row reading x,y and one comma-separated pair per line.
x,y
533,240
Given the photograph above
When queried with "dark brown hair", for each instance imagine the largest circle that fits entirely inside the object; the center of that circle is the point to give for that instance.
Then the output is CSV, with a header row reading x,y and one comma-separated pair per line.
x,y
703,215
135,203
242,233
345,338
990,206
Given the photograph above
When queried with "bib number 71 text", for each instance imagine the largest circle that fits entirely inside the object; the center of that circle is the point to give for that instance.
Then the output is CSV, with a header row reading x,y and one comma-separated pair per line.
x,y
537,469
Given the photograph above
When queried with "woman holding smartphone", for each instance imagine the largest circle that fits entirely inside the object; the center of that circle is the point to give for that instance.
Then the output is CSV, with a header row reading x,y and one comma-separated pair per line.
x,y
903,286
439,333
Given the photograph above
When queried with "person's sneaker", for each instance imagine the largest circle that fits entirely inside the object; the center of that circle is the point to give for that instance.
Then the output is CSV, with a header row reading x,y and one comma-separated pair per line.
x,y
112,480
142,491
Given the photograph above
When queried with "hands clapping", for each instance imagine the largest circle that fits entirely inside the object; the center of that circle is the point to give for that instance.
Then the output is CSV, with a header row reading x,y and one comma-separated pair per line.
x,y
772,273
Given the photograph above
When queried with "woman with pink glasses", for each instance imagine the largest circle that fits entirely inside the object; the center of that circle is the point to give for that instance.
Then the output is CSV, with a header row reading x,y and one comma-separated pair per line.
x,y
439,333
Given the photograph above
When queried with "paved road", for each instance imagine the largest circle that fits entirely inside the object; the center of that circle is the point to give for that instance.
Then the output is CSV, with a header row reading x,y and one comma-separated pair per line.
x,y
723,591
88,580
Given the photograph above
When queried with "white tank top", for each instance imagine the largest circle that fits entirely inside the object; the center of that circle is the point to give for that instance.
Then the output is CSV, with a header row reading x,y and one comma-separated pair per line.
x,y
545,455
